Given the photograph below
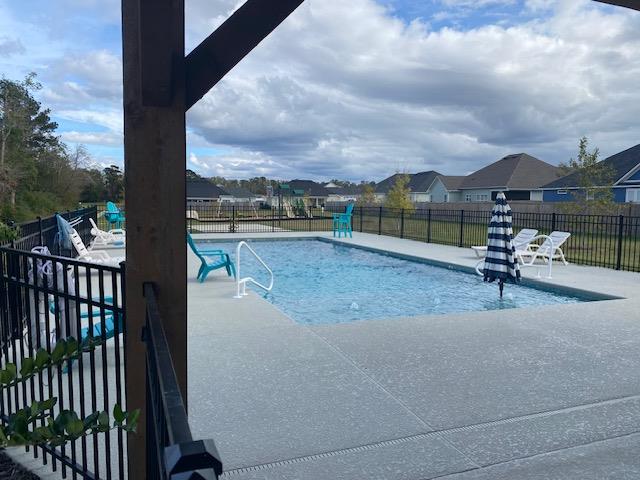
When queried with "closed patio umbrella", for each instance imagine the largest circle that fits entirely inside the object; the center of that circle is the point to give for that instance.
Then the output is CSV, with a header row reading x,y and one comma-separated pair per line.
x,y
501,263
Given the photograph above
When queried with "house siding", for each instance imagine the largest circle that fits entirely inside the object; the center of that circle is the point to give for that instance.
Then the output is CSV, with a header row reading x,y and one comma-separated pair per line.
x,y
477,195
554,196
635,177
619,195
420,197
438,192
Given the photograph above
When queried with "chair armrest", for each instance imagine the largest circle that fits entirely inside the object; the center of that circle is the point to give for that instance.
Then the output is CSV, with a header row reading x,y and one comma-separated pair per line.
x,y
220,254
214,250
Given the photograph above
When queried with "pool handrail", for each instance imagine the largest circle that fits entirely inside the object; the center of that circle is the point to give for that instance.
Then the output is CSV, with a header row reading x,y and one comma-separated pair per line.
x,y
241,283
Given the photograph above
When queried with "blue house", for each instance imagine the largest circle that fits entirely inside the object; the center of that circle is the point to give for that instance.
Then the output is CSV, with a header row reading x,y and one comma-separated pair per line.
x,y
626,187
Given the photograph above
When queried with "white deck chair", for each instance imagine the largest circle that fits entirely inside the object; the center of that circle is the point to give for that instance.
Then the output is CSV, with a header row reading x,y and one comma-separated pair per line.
x,y
545,251
94,256
103,238
521,241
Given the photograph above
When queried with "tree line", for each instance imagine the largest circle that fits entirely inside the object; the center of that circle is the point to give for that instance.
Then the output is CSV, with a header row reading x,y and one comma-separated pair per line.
x,y
40,174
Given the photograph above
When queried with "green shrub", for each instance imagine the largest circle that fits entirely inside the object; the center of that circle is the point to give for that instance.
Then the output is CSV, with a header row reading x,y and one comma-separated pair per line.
x,y
8,233
22,428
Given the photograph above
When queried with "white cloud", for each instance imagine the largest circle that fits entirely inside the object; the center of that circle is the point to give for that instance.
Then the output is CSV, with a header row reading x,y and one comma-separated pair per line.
x,y
343,89
93,138
111,120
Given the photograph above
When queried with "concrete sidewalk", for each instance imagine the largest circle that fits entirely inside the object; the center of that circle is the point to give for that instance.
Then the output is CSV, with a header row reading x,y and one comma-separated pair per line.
x,y
545,392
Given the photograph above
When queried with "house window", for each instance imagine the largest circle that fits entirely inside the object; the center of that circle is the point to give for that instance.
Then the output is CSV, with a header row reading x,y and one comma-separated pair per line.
x,y
591,196
561,192
446,197
467,197
633,195
482,197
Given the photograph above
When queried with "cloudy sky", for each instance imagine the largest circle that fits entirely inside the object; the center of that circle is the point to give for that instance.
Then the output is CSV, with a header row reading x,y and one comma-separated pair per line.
x,y
358,89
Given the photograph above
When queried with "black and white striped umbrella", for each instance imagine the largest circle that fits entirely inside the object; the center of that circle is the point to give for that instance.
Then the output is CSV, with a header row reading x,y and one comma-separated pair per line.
x,y
501,263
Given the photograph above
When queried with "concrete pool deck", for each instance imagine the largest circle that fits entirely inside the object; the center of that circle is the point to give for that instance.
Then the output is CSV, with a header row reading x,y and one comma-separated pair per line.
x,y
541,392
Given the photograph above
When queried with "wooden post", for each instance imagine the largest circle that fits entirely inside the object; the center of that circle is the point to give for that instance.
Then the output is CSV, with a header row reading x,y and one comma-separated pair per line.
x,y
155,159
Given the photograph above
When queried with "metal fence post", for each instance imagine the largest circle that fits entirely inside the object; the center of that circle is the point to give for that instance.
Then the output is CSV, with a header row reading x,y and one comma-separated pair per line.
x,y
553,222
40,237
402,223
232,228
273,219
361,218
380,221
620,235
429,226
461,242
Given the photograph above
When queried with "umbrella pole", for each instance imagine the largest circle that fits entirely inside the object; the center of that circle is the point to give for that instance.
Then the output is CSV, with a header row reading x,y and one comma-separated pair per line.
x,y
501,286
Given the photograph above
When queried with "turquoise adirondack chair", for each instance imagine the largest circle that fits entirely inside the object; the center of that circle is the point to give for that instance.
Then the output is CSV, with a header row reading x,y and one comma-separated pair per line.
x,y
114,215
211,259
342,222
96,329
97,324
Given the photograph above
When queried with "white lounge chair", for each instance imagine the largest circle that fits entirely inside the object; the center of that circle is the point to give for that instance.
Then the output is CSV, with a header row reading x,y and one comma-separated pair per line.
x,y
115,237
546,250
521,242
93,256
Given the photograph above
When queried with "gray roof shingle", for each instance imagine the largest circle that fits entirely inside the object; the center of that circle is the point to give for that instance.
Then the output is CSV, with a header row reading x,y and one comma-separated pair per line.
x,y
203,189
514,172
452,182
239,192
418,182
621,163
311,188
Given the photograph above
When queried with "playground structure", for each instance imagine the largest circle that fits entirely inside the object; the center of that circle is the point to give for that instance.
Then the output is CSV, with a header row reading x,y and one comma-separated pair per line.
x,y
251,203
292,201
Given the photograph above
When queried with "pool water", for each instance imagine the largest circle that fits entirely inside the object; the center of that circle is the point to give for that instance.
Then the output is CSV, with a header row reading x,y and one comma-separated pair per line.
x,y
320,282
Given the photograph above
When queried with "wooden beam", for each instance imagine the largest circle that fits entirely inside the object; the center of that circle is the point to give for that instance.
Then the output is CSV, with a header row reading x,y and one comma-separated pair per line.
x,y
634,4
157,36
210,61
155,160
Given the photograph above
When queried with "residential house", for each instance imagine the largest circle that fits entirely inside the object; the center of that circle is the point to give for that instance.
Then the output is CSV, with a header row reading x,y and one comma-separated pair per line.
x,y
446,188
338,194
519,176
419,184
238,195
625,167
202,191
315,192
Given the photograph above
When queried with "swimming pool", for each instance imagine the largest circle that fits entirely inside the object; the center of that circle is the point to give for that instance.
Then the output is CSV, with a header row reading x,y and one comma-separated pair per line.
x,y
319,282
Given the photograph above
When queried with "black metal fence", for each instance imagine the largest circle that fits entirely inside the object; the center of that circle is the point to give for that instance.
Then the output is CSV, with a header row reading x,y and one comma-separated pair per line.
x,y
171,449
45,299
102,220
42,231
611,241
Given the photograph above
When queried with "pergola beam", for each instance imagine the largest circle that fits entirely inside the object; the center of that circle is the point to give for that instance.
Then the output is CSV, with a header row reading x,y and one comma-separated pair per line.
x,y
210,61
155,162
634,4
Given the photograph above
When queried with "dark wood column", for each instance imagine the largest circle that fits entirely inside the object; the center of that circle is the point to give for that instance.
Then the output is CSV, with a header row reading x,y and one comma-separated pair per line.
x,y
154,127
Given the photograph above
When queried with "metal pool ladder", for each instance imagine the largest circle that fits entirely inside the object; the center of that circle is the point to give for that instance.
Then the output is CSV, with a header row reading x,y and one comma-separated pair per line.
x,y
241,283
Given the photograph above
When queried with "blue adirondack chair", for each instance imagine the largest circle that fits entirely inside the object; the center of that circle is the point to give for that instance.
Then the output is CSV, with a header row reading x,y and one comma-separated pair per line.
x,y
95,330
342,222
114,215
211,259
